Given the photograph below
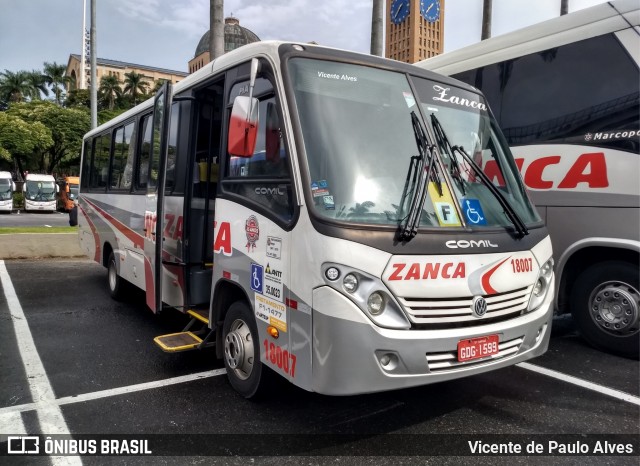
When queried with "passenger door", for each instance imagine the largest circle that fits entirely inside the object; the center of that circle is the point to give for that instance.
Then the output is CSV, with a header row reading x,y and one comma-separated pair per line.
x,y
155,198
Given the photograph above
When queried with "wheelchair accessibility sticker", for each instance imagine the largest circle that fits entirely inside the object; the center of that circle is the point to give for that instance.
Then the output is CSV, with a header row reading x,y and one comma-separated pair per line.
x,y
257,275
473,212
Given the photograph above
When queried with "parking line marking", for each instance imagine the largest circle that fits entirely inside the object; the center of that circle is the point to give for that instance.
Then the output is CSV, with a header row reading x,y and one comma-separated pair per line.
x,y
582,383
117,391
49,414
11,424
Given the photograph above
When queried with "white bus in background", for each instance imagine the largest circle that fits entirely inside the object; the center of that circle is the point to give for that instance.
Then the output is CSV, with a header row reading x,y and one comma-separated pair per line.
x,y
39,193
357,247
7,187
565,93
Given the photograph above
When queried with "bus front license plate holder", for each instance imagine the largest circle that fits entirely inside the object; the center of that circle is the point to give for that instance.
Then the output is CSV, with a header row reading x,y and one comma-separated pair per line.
x,y
476,348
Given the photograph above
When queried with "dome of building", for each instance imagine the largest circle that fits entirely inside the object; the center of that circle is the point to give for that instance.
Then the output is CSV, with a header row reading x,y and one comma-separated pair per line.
x,y
234,36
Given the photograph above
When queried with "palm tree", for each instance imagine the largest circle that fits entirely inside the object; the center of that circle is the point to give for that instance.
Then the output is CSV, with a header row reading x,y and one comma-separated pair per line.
x,y
55,78
37,82
110,89
14,87
134,85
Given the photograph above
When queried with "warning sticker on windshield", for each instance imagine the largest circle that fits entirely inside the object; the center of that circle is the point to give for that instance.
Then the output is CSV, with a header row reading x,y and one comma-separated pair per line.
x,y
444,206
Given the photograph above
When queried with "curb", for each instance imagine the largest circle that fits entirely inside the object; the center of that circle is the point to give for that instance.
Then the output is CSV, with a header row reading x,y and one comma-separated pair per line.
x,y
40,246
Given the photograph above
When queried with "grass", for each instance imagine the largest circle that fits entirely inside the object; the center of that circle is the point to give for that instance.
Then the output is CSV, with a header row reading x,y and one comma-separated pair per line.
x,y
15,230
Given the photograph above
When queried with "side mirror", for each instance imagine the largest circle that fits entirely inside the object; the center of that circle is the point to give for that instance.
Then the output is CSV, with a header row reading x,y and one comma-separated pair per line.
x,y
243,127
57,189
13,186
24,187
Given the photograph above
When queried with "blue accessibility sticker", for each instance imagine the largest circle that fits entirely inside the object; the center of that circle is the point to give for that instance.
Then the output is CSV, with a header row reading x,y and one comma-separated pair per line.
x,y
257,275
473,212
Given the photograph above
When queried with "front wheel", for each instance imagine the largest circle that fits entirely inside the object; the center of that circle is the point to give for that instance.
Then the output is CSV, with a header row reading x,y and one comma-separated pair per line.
x,y
117,284
605,302
242,352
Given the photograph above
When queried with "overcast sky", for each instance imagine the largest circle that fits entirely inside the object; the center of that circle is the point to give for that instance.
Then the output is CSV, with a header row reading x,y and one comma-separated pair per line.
x,y
164,33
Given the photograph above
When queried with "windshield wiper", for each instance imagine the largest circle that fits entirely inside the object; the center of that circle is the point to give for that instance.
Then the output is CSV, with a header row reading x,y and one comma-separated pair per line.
x,y
418,177
445,145
520,226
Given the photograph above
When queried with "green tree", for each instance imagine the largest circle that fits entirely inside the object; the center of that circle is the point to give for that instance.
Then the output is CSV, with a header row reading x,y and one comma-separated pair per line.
x,y
135,85
55,78
14,87
67,127
37,84
158,84
78,98
110,90
22,141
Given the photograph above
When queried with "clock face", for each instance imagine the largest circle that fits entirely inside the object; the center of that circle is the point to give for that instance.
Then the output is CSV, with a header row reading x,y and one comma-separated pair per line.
x,y
399,10
430,10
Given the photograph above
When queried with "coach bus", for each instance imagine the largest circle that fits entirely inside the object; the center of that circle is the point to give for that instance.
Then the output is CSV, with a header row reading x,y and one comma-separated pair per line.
x,y
39,193
7,187
320,215
565,93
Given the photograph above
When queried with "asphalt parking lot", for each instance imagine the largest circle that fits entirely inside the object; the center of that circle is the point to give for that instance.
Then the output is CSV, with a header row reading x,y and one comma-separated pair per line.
x,y
76,362
19,218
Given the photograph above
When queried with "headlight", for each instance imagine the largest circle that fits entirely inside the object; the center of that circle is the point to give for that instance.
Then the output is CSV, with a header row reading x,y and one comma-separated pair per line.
x,y
542,285
375,303
368,293
350,283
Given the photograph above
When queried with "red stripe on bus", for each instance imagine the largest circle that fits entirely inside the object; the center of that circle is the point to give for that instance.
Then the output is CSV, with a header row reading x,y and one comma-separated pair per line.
x,y
96,236
134,237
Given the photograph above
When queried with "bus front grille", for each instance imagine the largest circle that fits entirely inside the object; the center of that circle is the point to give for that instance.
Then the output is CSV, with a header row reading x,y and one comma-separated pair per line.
x,y
442,313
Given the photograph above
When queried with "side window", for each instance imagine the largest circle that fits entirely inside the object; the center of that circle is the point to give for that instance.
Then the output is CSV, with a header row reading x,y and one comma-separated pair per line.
x,y
142,168
570,94
128,151
117,163
263,178
100,165
122,164
86,163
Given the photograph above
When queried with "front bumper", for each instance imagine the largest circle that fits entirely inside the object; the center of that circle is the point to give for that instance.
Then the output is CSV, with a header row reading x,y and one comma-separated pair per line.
x,y
347,348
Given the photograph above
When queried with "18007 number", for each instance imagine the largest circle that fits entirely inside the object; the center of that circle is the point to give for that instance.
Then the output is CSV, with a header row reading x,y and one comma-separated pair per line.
x,y
279,357
522,265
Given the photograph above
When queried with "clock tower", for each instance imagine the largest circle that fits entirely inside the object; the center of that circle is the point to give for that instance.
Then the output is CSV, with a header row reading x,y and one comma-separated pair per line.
x,y
414,29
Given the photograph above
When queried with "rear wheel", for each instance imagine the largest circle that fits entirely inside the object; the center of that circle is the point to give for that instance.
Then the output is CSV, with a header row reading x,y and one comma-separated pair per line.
x,y
117,285
246,373
605,301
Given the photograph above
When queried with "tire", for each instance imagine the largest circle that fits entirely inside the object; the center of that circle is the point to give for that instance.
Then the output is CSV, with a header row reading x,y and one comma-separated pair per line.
x,y
246,373
117,285
605,302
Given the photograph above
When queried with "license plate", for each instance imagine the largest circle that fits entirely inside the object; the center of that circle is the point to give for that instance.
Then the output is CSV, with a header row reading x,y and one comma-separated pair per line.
x,y
476,348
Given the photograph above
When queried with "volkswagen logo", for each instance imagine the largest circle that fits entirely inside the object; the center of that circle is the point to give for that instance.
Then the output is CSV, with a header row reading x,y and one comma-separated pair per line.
x,y
479,306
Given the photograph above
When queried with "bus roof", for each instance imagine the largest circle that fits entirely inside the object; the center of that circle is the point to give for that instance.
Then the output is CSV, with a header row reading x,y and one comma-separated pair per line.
x,y
582,24
267,48
38,177
5,175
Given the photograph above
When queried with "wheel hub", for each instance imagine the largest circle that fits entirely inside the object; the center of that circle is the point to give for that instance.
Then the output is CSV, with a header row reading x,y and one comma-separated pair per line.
x,y
238,349
614,307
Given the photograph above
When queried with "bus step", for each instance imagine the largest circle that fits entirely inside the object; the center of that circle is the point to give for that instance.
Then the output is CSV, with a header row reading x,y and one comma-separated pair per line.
x,y
200,314
176,342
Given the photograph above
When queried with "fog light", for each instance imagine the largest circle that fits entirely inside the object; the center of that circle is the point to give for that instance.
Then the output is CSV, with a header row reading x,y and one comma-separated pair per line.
x,y
375,303
389,361
350,283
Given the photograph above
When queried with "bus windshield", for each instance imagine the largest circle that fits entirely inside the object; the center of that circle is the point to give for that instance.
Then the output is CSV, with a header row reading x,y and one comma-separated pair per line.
x,y
5,189
40,190
361,142
73,191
